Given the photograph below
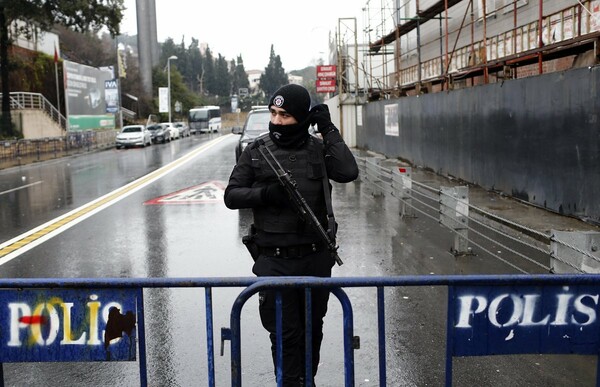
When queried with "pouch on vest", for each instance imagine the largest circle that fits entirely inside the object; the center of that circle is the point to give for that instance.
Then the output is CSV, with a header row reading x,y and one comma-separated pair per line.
x,y
250,242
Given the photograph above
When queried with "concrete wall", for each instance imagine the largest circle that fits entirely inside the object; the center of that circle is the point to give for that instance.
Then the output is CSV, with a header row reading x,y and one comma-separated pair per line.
x,y
537,139
345,118
35,123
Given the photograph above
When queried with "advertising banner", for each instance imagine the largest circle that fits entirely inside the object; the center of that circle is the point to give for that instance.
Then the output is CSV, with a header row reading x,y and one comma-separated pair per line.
x,y
163,99
111,92
391,120
85,96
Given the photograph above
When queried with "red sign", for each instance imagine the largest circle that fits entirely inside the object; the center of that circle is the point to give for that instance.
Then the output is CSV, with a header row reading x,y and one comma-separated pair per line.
x,y
326,79
326,71
325,82
326,89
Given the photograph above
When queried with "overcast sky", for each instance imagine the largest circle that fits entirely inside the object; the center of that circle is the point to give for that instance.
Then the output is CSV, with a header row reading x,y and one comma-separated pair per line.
x,y
298,30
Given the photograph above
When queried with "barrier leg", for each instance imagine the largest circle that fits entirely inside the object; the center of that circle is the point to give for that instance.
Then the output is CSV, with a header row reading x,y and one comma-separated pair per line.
x,y
454,214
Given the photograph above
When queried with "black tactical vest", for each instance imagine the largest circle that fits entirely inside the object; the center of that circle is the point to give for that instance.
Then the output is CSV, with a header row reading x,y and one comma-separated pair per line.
x,y
306,166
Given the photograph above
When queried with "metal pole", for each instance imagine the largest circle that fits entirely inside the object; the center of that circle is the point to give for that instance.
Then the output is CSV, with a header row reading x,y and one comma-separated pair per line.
x,y
144,45
172,57
56,79
169,85
118,72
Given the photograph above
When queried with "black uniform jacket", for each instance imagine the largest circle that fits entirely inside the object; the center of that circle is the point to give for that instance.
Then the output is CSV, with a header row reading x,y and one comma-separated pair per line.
x,y
245,191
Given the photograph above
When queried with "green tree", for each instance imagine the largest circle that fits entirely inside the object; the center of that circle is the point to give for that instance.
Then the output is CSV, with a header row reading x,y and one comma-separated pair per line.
x,y
80,15
208,78
179,92
222,79
194,72
274,76
239,78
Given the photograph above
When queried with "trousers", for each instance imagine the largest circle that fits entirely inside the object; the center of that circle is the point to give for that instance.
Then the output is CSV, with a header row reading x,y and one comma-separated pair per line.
x,y
318,264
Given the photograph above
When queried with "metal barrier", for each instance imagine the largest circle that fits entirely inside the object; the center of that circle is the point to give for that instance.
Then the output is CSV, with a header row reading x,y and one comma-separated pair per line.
x,y
533,251
19,152
26,100
487,315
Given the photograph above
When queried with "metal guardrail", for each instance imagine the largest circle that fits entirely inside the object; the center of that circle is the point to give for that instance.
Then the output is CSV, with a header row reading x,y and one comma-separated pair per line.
x,y
23,100
556,251
542,314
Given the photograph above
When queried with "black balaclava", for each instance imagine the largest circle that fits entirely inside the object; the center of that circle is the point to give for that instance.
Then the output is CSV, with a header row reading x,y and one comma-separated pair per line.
x,y
295,100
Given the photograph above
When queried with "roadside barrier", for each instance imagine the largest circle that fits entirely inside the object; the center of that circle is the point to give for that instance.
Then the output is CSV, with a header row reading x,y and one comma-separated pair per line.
x,y
486,315
532,251
25,151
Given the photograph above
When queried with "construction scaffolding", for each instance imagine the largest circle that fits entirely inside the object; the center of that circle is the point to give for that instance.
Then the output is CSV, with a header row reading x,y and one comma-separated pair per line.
x,y
424,46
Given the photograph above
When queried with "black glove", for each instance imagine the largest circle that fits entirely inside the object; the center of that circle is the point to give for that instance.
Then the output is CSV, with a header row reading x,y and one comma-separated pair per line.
x,y
275,195
321,117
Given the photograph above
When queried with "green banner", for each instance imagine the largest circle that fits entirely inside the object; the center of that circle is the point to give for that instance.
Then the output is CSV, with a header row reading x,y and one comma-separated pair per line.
x,y
77,123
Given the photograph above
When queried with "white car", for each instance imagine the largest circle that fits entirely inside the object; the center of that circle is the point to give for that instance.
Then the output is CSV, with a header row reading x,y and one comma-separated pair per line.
x,y
133,135
175,134
184,130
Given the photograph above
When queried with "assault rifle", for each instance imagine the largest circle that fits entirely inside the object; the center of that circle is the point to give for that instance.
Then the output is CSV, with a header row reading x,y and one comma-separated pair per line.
x,y
303,209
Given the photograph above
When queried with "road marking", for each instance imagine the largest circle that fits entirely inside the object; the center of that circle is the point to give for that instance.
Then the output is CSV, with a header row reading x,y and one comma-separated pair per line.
x,y
209,192
11,249
21,187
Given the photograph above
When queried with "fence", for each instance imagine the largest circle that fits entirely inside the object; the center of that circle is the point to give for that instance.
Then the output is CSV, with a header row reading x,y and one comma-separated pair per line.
x,y
536,312
533,251
19,152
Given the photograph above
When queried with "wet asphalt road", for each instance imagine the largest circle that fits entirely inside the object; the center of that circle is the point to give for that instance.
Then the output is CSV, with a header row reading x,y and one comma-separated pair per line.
x,y
135,237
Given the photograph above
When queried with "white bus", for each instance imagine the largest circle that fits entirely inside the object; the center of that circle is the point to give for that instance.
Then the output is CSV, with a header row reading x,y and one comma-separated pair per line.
x,y
205,119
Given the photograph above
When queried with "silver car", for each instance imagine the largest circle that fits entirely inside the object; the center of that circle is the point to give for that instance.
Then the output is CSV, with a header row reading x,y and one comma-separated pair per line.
x,y
133,135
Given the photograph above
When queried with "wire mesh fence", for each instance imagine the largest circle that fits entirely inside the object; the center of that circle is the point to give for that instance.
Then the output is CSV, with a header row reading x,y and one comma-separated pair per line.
x,y
25,151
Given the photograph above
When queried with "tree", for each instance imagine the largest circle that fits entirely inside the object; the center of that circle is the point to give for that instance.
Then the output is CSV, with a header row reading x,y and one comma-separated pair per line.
x,y
179,91
86,48
239,79
41,15
274,76
222,80
193,76
208,77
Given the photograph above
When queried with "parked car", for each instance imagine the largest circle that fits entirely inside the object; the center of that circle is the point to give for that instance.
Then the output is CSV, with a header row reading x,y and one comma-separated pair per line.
x,y
160,133
175,134
184,130
256,124
133,135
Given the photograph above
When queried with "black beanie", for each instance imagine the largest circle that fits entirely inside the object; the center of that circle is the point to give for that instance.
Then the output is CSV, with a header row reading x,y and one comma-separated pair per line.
x,y
294,99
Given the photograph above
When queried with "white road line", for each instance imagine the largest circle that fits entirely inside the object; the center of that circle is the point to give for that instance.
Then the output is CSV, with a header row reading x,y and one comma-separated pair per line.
x,y
11,249
21,187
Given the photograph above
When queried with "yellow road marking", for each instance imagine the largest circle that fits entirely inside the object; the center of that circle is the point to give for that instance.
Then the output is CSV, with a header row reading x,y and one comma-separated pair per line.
x,y
66,221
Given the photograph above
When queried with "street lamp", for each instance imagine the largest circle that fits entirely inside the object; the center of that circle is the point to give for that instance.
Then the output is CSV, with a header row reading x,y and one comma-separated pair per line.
x,y
172,57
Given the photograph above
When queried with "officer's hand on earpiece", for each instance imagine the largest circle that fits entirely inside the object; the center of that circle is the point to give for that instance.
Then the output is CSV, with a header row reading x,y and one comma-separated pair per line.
x,y
322,118
275,195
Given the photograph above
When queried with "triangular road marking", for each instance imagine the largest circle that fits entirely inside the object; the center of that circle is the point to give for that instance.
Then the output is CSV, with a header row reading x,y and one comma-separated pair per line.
x,y
209,192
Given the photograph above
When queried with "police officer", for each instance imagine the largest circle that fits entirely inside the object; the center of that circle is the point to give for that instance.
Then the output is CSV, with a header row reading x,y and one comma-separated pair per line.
x,y
286,245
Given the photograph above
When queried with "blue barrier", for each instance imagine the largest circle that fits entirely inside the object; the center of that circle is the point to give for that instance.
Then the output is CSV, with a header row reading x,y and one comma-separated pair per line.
x,y
487,315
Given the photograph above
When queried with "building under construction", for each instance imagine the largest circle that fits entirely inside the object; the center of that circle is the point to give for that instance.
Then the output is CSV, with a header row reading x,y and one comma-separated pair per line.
x,y
424,46
498,93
